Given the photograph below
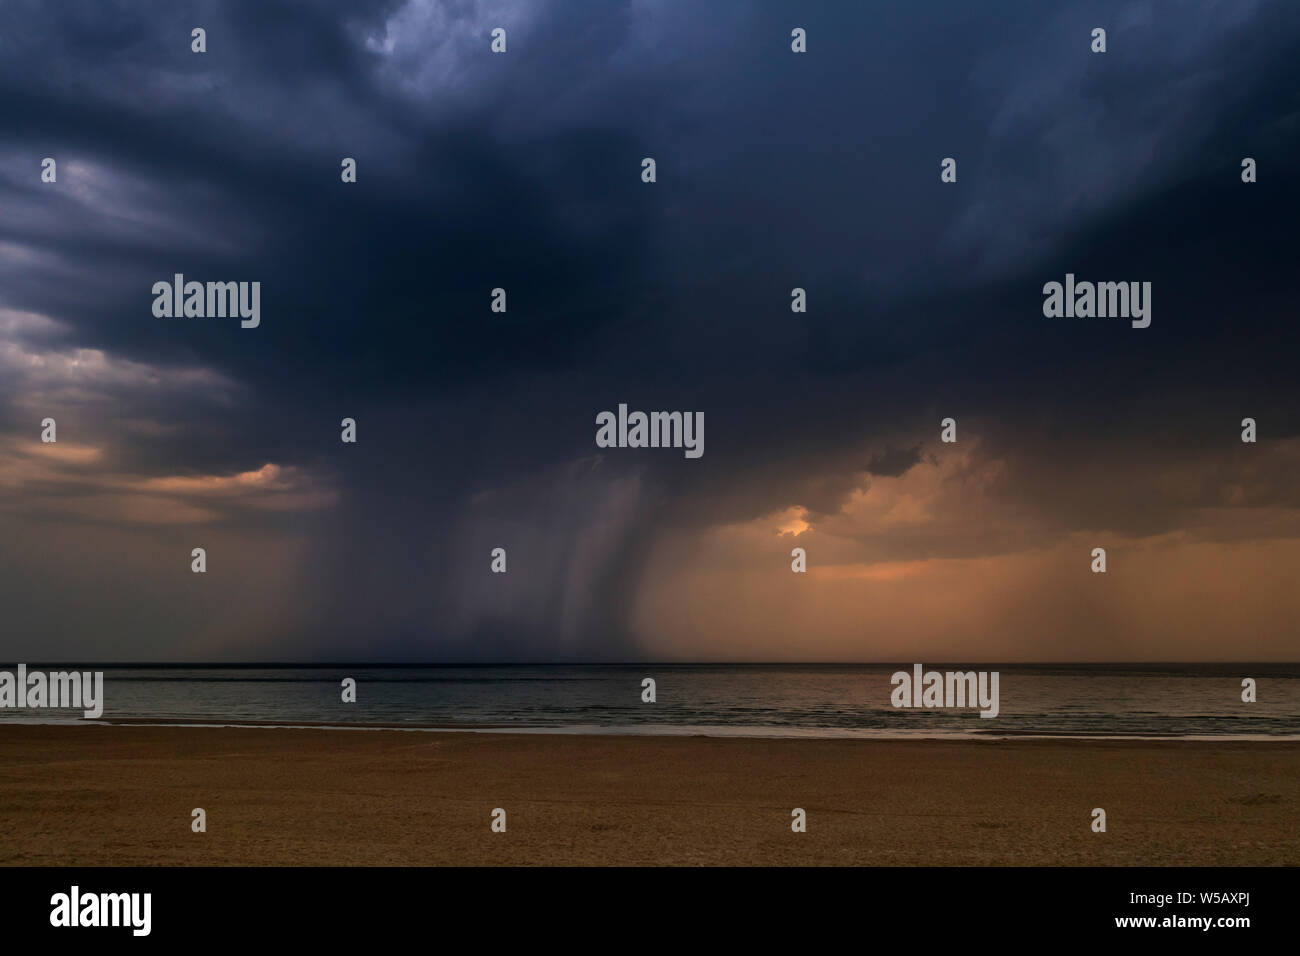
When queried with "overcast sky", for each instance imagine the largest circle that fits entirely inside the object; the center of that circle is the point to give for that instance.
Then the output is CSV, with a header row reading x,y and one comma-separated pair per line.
x,y
476,429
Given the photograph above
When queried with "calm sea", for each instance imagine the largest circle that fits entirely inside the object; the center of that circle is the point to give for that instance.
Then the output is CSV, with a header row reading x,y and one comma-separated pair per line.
x,y
724,699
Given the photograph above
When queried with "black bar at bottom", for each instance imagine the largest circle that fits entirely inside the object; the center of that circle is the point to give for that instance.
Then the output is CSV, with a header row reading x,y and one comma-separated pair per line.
x,y
661,908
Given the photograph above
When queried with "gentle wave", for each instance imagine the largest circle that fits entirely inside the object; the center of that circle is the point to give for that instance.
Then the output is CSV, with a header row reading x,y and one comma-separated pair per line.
x,y
1077,701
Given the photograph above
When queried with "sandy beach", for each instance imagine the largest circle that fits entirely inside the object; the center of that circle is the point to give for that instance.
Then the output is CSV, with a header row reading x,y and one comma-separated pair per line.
x,y
120,795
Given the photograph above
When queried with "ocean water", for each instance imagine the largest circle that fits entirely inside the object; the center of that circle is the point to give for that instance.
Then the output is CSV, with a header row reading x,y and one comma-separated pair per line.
x,y
756,700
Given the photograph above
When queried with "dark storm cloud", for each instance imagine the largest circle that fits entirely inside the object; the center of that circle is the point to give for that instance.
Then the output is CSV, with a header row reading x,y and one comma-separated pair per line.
x,y
522,171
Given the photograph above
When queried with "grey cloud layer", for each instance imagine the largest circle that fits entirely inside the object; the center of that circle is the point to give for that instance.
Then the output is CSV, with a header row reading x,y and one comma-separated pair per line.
x,y
521,171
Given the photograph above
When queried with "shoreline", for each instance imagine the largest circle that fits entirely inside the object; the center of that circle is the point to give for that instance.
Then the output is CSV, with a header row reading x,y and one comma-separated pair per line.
x,y
711,731
124,796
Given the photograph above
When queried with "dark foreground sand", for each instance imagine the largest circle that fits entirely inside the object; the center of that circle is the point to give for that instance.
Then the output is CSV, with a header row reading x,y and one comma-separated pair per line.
x,y
102,795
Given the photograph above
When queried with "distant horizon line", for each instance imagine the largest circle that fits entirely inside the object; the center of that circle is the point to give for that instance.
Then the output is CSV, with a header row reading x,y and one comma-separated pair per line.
x,y
647,663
